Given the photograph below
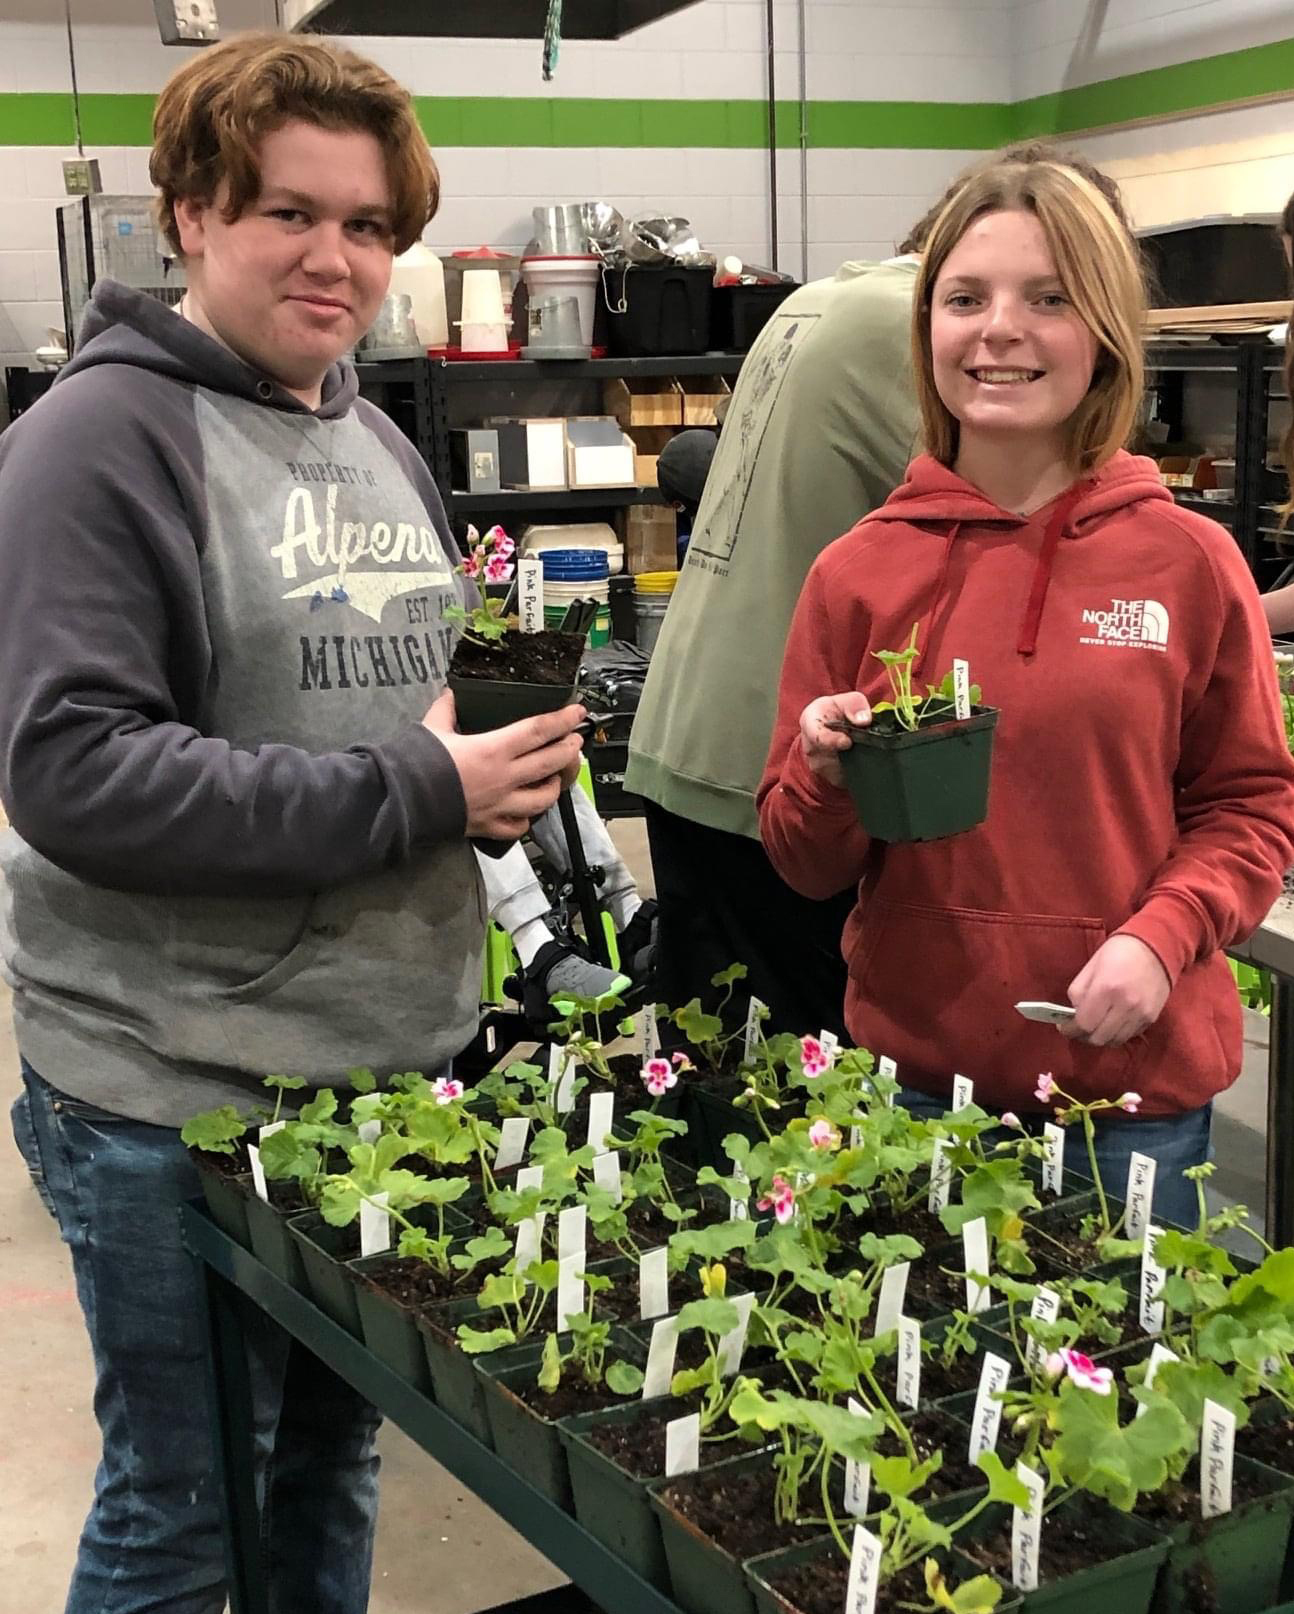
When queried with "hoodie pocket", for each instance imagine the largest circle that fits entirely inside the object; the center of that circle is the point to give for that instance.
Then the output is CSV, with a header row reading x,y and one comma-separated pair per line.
x,y
936,989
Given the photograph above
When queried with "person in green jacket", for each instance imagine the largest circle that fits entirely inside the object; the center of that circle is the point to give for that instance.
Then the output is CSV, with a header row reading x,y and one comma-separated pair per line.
x,y
822,424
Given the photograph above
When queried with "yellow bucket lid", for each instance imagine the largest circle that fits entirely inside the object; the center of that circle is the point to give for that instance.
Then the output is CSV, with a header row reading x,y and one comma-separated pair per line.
x,y
655,582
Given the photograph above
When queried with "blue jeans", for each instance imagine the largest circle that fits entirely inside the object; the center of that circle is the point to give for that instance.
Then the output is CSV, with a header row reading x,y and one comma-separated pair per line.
x,y
153,1542
1172,1141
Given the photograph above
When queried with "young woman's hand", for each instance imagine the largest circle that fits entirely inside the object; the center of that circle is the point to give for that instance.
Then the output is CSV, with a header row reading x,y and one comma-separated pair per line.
x,y
821,745
1118,993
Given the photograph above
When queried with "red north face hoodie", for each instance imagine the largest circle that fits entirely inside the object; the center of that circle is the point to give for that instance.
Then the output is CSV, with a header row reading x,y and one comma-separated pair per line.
x,y
1141,780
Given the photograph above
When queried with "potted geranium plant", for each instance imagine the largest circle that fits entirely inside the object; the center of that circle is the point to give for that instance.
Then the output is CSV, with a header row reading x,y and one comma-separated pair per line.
x,y
498,673
919,772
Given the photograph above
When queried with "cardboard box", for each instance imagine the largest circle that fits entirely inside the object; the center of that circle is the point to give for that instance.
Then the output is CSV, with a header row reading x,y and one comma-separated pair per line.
x,y
654,401
474,460
532,453
701,393
650,538
598,454
648,442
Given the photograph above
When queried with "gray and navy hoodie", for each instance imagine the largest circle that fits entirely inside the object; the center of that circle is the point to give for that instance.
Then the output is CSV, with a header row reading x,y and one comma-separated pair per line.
x,y
235,850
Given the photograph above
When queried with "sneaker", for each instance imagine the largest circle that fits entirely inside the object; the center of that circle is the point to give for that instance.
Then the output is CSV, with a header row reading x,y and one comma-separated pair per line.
x,y
637,941
560,972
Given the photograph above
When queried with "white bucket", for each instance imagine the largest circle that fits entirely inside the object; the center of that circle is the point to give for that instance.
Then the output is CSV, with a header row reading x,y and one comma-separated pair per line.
x,y
566,277
484,336
483,298
420,275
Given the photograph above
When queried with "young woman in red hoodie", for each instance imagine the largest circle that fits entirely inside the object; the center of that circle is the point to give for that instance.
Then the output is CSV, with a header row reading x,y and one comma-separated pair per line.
x,y
1142,796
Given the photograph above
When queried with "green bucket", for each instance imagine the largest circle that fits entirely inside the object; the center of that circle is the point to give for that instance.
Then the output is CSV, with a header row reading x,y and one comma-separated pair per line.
x,y
599,633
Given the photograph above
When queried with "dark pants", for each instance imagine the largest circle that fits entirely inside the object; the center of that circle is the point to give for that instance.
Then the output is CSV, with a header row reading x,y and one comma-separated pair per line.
x,y
722,902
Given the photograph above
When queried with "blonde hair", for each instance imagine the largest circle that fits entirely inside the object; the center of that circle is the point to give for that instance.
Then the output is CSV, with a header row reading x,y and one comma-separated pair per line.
x,y
212,116
1096,263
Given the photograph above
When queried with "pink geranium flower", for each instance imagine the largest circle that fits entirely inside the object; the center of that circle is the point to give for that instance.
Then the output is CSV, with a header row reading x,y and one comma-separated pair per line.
x,y
1130,1102
659,1076
472,563
814,1058
822,1135
1080,1370
504,547
497,570
682,1062
1011,1119
781,1201
1046,1087
446,1089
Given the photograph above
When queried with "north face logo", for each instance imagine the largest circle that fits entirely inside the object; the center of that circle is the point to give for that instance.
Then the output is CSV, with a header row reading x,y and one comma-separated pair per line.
x,y
1129,625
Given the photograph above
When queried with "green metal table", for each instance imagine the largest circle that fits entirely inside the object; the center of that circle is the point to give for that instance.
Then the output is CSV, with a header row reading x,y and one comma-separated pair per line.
x,y
235,1281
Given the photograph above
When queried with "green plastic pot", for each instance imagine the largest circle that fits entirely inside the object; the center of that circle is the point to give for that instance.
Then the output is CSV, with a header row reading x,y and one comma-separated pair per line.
x,y
389,1329
705,1578
612,1505
530,1443
762,1571
924,785
226,1198
1232,1564
456,1386
273,1244
482,704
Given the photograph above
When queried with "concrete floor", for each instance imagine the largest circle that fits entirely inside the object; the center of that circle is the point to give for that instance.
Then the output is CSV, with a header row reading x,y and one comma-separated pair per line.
x,y
437,1546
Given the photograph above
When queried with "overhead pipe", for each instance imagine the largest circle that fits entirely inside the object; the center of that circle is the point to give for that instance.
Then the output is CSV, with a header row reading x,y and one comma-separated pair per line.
x,y
804,144
772,135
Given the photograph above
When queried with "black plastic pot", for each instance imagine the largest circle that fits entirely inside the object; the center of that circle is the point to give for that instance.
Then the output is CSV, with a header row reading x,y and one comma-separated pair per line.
x,y
456,1386
226,1198
925,785
704,1577
710,1119
612,1505
389,1329
1232,1564
483,704
273,1244
762,1573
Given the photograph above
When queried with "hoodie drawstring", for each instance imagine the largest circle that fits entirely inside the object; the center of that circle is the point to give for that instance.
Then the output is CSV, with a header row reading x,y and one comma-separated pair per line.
x,y
1028,641
923,638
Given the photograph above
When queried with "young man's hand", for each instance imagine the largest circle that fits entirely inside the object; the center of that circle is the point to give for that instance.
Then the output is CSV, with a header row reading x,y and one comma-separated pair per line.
x,y
822,746
510,775
1120,991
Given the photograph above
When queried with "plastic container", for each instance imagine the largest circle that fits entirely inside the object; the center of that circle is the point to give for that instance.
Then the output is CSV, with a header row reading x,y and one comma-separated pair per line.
x,y
658,311
576,277
459,264
576,535
741,313
420,275
923,785
574,565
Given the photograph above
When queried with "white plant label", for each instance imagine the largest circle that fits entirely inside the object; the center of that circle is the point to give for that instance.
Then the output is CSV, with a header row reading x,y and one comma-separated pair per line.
x,y
830,1045
1151,1307
858,1476
864,1572
269,1129
683,1444
752,1030
961,689
855,1137
1053,1159
602,1120
733,1343
491,1040
1159,1354
374,1226
740,1207
369,1131
894,1291
1026,1531
572,1231
987,1419
941,1179
651,1032
975,1246
1045,1309
606,1173
909,1362
885,1066
1217,1454
653,1284
570,1289
562,1065
659,1372
513,1135
963,1092
258,1173
530,594
530,1235
1141,1191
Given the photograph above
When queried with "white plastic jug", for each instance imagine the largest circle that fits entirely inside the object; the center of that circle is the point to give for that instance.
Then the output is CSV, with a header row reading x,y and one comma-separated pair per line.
x,y
420,275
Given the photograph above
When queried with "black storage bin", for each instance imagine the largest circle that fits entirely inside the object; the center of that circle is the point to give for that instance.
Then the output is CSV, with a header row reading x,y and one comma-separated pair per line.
x,y
741,313
1231,261
667,310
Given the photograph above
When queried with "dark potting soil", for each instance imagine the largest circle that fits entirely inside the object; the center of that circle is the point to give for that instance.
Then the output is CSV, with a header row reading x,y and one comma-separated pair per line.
x,y
962,1373
821,1585
287,1198
934,1291
1271,1443
572,1395
416,1284
1064,1242
734,1507
637,1446
932,1432
521,658
1180,1503
882,1219
237,1164
1069,1544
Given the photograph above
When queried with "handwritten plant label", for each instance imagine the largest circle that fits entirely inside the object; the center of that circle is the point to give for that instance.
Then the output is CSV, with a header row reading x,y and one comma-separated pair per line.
x,y
1053,1160
513,1133
740,1207
1151,1307
855,1137
530,594
864,1572
733,1343
1159,1354
941,1178
963,1092
683,1444
1045,1309
374,1226
752,1030
987,1418
602,1108
909,1362
961,689
830,1045
606,1173
885,1066
858,1476
659,1372
653,1284
1026,1531
1217,1454
975,1245
651,1032
894,1291
1141,1192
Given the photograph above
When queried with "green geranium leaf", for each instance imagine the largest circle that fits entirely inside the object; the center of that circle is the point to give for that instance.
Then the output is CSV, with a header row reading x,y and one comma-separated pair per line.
x,y
978,1596
714,1316
216,1131
282,1083
624,1378
1003,1486
476,1340
361,1079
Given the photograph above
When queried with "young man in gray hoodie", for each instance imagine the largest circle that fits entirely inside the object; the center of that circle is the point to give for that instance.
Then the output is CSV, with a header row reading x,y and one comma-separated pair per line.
x,y
241,811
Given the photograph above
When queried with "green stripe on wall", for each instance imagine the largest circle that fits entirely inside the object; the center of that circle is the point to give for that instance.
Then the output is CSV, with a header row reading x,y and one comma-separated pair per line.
x,y
41,119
